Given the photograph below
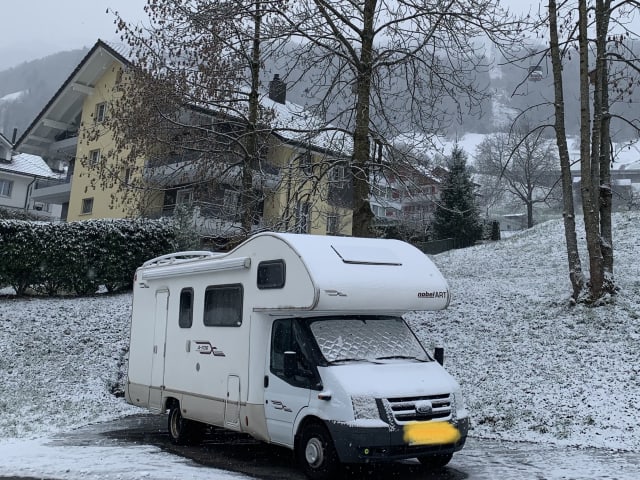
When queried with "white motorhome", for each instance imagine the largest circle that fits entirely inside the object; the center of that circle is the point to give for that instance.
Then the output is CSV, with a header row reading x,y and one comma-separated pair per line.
x,y
297,340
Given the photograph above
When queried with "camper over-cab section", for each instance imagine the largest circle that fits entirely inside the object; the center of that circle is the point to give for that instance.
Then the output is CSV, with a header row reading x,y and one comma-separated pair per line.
x,y
293,272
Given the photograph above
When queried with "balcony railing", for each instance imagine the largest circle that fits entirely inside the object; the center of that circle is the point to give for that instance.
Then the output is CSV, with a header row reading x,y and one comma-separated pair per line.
x,y
52,182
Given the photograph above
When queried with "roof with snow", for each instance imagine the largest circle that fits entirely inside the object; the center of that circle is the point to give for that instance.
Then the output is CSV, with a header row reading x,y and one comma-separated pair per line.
x,y
29,165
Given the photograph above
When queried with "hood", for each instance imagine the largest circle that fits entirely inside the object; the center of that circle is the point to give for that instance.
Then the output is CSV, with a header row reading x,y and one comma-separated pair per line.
x,y
389,380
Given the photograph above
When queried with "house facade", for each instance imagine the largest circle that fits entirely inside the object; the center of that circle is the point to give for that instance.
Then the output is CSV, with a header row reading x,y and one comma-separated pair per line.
x,y
18,175
295,181
406,195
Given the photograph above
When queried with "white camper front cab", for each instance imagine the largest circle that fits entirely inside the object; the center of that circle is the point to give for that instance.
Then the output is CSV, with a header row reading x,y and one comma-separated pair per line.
x,y
297,340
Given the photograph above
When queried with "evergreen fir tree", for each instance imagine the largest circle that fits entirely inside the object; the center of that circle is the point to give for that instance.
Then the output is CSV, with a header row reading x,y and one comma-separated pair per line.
x,y
457,215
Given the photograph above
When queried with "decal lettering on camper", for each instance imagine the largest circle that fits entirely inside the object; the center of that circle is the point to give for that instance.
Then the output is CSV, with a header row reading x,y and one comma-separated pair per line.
x,y
278,405
205,348
432,294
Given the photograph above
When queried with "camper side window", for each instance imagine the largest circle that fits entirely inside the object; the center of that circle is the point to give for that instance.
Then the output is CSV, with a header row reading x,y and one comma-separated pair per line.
x,y
223,306
185,316
271,274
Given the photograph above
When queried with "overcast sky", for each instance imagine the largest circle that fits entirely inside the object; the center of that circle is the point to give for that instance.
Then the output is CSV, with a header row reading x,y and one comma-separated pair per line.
x,y
36,28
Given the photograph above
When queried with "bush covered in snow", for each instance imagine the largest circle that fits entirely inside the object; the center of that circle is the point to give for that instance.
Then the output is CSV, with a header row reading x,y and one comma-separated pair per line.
x,y
78,257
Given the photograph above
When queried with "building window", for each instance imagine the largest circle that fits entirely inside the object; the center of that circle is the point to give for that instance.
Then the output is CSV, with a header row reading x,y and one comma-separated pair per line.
x,y
338,176
184,197
94,157
271,274
101,112
230,202
185,316
223,306
5,187
332,224
87,206
306,164
302,217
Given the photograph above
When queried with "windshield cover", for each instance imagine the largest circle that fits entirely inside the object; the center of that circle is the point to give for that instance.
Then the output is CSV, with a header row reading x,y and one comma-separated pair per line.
x,y
365,338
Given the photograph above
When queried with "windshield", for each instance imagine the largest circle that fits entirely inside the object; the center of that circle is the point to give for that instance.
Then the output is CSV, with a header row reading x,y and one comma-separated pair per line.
x,y
366,339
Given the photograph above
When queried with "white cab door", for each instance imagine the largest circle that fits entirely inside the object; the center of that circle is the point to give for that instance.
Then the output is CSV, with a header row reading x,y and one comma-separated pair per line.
x,y
285,396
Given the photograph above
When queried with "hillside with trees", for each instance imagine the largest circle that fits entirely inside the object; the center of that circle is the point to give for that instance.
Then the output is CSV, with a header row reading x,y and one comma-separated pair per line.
x,y
26,88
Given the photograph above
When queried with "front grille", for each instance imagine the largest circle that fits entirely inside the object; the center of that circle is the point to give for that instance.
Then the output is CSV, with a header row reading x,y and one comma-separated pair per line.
x,y
407,409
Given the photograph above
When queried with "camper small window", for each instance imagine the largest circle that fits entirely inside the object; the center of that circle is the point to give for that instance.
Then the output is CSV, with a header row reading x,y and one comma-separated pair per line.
x,y
271,274
185,316
223,306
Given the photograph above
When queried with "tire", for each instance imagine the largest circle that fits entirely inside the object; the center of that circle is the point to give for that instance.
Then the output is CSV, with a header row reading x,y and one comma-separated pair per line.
x,y
316,453
181,430
434,462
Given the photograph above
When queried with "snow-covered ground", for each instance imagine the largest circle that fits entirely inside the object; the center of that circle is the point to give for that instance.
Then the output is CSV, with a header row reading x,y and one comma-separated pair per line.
x,y
531,367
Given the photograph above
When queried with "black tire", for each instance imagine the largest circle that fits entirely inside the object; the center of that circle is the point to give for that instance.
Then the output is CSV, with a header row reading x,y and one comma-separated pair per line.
x,y
434,462
181,430
316,453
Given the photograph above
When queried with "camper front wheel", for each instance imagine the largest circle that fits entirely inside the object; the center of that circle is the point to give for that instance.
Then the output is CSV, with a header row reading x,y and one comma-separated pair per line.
x,y
316,453
181,430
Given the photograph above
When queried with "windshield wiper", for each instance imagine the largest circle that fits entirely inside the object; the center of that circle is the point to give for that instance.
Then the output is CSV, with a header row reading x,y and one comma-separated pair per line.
x,y
401,357
347,359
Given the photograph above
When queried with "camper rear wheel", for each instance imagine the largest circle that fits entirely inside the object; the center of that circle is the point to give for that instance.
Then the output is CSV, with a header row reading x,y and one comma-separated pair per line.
x,y
181,430
433,462
316,452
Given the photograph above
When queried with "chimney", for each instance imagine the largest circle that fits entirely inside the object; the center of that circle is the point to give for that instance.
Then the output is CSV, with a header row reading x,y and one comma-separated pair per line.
x,y
13,138
277,89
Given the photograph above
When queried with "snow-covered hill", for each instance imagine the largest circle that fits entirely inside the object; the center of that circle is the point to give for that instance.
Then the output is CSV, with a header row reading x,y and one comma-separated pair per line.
x,y
531,367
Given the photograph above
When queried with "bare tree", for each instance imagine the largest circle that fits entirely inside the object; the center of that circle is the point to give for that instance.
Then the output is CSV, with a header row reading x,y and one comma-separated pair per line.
x,y
524,162
568,213
598,49
376,67
188,111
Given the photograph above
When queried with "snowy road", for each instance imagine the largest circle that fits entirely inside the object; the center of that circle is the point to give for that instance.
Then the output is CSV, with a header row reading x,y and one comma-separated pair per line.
x,y
138,448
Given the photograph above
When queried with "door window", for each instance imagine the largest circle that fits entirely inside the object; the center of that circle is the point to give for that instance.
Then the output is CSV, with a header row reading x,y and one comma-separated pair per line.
x,y
286,337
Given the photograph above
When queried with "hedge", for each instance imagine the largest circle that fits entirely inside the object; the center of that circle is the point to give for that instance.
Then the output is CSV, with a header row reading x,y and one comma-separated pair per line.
x,y
79,257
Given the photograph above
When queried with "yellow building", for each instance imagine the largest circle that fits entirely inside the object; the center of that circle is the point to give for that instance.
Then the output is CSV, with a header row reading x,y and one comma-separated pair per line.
x,y
306,187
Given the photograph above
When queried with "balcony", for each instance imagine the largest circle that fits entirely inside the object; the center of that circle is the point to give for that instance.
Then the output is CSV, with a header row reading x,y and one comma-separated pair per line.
x,y
208,218
52,190
225,170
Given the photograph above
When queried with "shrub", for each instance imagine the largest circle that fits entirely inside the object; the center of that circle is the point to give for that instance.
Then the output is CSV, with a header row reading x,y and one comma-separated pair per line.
x,y
78,257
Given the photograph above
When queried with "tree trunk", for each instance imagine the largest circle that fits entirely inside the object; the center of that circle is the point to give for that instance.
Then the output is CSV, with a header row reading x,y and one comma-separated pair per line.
x,y
590,192
603,9
250,160
575,267
362,214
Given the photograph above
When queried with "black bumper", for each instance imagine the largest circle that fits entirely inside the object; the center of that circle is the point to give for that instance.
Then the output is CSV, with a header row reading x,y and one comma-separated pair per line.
x,y
379,444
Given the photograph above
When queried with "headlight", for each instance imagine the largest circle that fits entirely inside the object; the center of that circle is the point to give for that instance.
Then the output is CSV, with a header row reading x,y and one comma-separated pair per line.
x,y
365,408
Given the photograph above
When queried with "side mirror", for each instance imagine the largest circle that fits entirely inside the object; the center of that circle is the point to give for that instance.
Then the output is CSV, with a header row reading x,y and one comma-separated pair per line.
x,y
290,363
438,354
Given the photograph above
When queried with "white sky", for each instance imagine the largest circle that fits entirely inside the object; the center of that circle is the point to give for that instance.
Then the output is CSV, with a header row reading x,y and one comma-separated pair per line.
x,y
36,28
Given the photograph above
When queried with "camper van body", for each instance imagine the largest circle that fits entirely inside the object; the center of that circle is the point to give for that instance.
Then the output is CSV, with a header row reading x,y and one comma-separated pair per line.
x,y
292,337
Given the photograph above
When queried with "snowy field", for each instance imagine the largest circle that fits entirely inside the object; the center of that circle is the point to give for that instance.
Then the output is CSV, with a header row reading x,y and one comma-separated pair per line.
x,y
531,367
